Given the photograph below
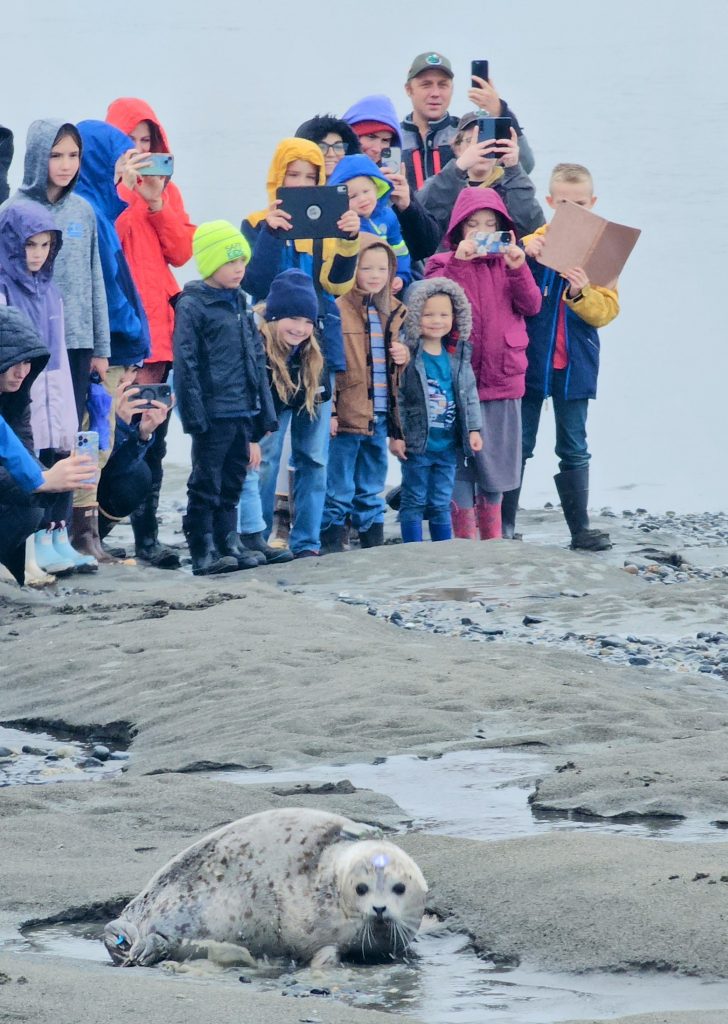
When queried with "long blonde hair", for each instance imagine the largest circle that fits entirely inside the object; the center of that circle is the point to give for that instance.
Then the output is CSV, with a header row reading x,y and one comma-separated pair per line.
x,y
278,352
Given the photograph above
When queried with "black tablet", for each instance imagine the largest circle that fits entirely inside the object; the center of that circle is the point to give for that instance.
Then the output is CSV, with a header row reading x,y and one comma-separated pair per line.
x,y
314,210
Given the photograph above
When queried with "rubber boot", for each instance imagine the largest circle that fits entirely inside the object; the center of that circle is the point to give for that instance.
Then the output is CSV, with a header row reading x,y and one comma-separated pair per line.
x,y
271,555
573,488
82,563
333,539
489,519
411,531
373,537
393,497
205,559
463,522
440,531
281,526
227,540
47,558
34,575
85,533
145,527
509,511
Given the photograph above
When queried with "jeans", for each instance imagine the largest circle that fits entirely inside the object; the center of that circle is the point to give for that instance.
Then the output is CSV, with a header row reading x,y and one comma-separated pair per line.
x,y
570,418
219,461
427,482
357,473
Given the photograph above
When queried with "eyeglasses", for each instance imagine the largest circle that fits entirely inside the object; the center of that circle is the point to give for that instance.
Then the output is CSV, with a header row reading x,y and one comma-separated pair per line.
x,y
340,148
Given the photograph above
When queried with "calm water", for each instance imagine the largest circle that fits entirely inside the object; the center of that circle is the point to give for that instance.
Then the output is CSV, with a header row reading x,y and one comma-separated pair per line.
x,y
635,91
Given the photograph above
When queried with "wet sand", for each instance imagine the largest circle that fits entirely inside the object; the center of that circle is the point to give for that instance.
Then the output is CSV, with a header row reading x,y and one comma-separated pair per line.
x,y
275,668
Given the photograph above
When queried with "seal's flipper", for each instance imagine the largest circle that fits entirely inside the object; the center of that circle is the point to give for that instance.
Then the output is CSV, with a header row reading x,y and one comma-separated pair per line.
x,y
327,956
119,937
149,949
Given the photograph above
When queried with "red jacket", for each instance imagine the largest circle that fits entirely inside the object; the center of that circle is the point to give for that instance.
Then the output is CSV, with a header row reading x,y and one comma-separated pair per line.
x,y
152,241
499,297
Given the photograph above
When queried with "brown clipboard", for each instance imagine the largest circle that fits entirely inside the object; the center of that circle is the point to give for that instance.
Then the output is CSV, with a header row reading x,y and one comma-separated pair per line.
x,y
579,238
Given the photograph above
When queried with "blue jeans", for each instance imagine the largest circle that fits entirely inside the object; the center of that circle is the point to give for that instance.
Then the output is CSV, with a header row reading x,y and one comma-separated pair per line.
x,y
427,482
357,474
250,513
570,418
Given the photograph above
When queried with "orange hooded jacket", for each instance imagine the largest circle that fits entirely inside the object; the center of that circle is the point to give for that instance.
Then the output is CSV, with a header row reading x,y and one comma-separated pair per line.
x,y
152,241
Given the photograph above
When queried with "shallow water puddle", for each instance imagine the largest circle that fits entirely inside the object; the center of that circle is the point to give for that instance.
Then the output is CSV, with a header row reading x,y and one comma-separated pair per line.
x,y
445,983
472,794
33,758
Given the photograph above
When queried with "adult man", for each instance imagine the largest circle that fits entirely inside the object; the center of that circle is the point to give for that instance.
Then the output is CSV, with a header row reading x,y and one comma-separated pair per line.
x,y
428,131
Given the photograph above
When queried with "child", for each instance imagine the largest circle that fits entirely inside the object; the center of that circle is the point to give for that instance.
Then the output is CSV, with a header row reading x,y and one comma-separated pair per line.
x,y
29,245
368,197
501,291
563,361
438,403
222,395
330,263
365,400
333,136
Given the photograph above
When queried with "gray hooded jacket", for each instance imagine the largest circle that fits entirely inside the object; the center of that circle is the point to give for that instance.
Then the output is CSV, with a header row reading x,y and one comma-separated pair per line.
x,y
77,273
413,391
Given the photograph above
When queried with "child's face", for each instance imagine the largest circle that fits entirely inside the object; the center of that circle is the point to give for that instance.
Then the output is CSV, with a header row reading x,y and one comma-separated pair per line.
x,y
372,272
579,192
437,317
63,163
374,143
37,250
294,330
12,378
480,220
229,275
481,168
362,196
333,148
300,172
142,136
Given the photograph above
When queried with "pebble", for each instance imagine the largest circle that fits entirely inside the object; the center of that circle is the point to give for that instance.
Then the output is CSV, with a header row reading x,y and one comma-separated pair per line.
x,y
639,659
531,620
101,752
35,751
6,752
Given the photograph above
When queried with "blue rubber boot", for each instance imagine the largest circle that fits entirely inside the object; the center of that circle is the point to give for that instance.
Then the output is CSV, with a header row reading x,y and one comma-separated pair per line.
x,y
411,531
47,558
440,531
62,545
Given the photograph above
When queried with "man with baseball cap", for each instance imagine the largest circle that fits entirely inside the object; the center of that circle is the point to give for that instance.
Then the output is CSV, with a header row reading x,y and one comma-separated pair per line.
x,y
428,131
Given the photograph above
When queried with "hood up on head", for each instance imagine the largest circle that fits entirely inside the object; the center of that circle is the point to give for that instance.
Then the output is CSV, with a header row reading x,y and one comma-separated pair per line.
x,y
360,166
383,299
20,343
317,127
375,108
472,199
421,291
19,221
126,113
102,146
285,153
38,145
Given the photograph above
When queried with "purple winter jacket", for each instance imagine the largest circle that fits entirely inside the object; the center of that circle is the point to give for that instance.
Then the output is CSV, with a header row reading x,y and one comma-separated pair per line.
x,y
53,408
499,297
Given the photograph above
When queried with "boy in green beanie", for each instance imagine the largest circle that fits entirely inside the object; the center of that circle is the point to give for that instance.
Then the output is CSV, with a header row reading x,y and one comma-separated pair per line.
x,y
223,396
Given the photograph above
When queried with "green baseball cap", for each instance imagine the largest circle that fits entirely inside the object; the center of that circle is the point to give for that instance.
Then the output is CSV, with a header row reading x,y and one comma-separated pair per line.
x,y
430,61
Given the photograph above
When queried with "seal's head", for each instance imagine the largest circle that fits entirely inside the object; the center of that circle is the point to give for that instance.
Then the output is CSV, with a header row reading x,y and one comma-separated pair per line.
x,y
382,891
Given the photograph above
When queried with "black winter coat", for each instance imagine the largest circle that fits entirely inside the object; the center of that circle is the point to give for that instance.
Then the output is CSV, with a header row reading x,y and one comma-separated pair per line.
x,y
219,361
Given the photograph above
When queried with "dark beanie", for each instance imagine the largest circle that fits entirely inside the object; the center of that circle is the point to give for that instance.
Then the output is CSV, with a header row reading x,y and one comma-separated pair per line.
x,y
292,294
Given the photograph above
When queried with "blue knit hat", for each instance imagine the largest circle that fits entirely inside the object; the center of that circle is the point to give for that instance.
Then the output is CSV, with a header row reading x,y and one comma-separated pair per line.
x,y
292,294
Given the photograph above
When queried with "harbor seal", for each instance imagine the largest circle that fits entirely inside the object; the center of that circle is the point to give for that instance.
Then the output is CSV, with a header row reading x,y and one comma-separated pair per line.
x,y
293,882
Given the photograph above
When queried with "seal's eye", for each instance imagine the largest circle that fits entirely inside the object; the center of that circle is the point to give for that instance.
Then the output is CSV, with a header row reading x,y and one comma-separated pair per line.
x,y
399,888
362,889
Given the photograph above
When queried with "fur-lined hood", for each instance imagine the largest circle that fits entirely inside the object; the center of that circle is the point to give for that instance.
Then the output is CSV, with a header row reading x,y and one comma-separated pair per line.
x,y
421,291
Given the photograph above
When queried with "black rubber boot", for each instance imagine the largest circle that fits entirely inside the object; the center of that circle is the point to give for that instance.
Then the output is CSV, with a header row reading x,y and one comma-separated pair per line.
x,y
205,559
228,542
373,537
144,524
273,556
333,539
573,488
509,511
393,497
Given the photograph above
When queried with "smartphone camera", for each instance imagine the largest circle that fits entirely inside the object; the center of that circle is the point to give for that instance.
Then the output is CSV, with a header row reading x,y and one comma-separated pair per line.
x,y
493,243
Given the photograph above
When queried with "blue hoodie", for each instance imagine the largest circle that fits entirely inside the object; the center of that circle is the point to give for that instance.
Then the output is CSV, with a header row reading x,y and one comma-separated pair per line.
x,y
376,108
383,220
102,146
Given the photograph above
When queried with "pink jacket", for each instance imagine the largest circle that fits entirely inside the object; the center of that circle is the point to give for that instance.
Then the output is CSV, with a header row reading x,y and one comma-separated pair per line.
x,y
500,298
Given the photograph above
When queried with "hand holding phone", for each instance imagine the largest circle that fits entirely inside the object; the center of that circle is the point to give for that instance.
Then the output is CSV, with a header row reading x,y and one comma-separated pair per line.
x,y
478,69
392,158
161,164
87,444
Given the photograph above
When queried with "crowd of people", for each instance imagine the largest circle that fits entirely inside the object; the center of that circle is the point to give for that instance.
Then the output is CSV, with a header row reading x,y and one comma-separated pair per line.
x,y
425,326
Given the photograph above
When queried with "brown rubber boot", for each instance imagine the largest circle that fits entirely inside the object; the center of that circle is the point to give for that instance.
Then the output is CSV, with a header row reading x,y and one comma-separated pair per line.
x,y
85,534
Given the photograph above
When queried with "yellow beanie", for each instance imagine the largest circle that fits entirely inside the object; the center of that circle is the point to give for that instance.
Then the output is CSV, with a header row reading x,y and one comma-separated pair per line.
x,y
215,243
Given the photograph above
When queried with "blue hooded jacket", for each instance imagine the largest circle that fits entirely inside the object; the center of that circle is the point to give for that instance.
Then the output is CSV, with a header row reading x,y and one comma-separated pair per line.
x,y
102,146
383,220
376,108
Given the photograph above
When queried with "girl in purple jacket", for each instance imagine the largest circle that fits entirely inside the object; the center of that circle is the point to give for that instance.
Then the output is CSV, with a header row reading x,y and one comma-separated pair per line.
x,y
501,291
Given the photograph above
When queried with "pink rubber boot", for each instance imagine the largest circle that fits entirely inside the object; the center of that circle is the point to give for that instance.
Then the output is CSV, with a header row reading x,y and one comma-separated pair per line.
x,y
489,519
463,522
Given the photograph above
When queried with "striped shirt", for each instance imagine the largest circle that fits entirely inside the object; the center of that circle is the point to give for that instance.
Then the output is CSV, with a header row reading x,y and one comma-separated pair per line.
x,y
379,360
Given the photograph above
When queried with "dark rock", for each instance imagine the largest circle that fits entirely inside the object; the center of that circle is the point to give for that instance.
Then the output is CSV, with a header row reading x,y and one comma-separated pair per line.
x,y
6,752
612,641
531,620
101,752
35,751
89,762
465,621
639,659
371,610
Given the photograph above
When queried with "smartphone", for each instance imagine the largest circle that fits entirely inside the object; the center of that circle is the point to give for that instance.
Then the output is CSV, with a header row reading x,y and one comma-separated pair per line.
x,y
479,68
160,163
314,210
492,243
153,393
494,128
392,158
87,443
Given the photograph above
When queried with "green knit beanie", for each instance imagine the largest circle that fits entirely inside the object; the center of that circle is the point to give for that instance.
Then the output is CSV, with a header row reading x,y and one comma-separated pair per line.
x,y
215,243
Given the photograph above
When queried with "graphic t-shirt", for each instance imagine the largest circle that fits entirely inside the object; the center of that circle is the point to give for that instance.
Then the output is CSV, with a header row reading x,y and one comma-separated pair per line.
x,y
440,401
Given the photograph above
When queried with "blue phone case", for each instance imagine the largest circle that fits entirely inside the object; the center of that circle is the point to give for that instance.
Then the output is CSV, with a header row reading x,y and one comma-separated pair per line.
x,y
161,164
87,443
